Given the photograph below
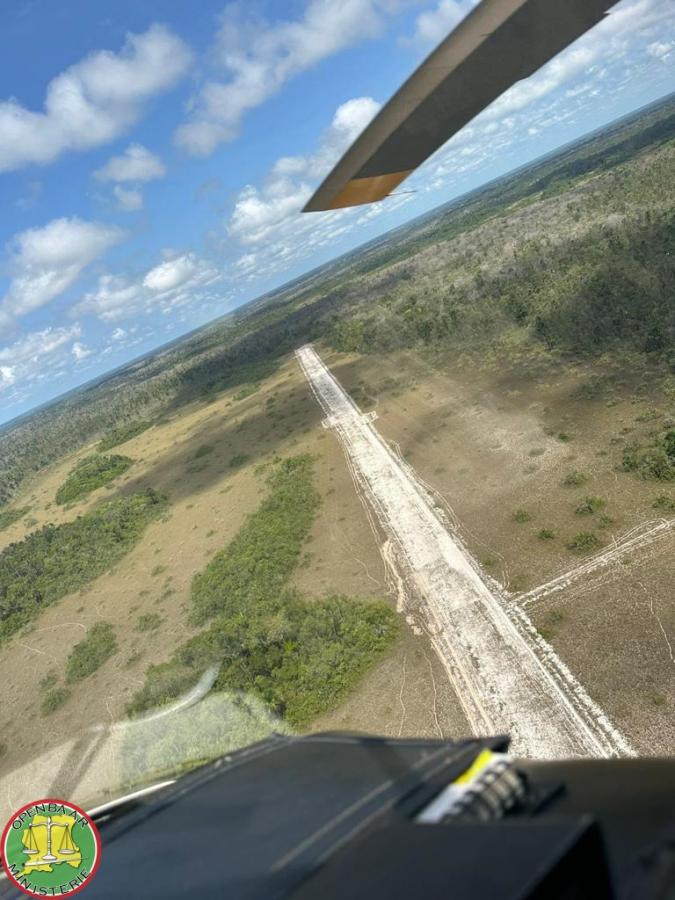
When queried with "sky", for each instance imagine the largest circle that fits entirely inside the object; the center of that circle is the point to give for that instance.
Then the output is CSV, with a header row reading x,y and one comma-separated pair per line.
x,y
154,157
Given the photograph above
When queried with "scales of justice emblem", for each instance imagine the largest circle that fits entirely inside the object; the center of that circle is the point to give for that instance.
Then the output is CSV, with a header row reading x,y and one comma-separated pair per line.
x,y
58,835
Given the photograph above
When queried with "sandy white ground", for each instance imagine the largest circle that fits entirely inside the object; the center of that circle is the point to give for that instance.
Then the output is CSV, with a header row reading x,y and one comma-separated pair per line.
x,y
508,679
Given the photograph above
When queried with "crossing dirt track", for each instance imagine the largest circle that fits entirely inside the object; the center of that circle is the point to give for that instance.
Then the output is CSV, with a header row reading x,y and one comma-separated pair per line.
x,y
508,678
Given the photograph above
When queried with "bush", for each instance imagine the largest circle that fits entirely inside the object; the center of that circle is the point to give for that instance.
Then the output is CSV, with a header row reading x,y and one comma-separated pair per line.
x,y
546,534
204,450
551,622
663,501
246,391
575,478
584,542
90,473
10,516
237,461
91,652
589,505
122,434
654,462
148,622
58,559
520,516
53,699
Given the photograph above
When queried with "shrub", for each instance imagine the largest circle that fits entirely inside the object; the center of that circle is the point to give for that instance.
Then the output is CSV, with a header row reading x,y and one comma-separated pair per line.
x,y
546,534
654,462
575,478
148,622
583,542
520,516
122,434
552,620
10,516
246,391
91,652
204,450
589,505
588,390
663,501
90,473
238,460
53,699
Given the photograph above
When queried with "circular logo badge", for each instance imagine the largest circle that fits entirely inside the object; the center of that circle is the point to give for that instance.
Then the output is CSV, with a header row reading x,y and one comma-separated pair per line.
x,y
50,848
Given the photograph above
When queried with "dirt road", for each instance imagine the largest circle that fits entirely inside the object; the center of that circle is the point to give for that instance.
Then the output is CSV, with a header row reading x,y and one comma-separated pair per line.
x,y
508,679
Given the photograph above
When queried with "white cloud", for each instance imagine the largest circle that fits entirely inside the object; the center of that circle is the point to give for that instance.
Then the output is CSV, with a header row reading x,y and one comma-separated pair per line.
x,y
660,49
266,220
32,357
128,199
118,334
178,281
114,298
94,101
47,261
172,273
561,69
136,164
79,351
260,57
435,24
260,212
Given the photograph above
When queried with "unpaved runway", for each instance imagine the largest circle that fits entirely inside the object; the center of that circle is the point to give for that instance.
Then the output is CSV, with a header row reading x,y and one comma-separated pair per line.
x,y
508,679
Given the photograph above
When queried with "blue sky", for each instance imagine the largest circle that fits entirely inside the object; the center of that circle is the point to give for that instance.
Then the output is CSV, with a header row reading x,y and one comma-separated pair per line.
x,y
154,156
